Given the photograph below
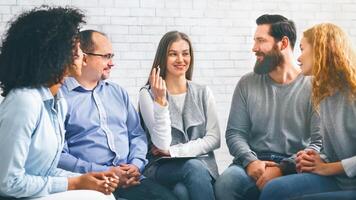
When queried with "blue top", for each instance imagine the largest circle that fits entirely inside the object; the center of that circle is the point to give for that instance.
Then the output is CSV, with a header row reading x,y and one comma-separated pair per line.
x,y
31,141
102,129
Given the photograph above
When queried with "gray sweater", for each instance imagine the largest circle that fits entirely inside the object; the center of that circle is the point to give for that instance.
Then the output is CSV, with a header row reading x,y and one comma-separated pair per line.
x,y
338,118
270,117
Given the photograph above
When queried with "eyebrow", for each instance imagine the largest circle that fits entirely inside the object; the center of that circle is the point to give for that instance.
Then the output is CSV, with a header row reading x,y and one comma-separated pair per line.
x,y
177,50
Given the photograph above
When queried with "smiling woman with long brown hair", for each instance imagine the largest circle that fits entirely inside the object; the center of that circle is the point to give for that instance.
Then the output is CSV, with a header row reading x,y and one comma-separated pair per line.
x,y
181,120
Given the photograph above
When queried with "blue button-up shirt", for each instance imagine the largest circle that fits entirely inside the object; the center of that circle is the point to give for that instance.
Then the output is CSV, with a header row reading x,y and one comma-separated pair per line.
x,y
31,141
102,129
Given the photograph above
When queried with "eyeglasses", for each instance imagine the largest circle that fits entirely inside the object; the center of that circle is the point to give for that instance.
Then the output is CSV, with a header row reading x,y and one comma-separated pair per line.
x,y
106,56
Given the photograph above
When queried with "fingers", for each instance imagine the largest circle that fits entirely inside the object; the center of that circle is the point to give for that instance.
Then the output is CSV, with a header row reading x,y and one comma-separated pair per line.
x,y
260,182
270,164
133,181
311,152
103,186
300,153
152,77
256,175
306,157
164,84
307,169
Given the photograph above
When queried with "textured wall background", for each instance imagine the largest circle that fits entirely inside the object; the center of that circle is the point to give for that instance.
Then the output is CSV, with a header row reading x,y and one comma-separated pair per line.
x,y
221,32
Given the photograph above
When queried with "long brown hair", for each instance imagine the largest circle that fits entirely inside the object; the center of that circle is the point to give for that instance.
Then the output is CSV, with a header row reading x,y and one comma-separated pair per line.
x,y
334,62
162,53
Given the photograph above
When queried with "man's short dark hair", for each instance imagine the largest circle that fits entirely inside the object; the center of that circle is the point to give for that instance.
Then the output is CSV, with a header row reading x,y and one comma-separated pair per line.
x,y
280,27
38,47
86,40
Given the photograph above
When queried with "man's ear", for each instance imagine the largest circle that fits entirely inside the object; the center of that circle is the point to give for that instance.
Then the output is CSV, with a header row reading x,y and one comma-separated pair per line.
x,y
84,60
284,42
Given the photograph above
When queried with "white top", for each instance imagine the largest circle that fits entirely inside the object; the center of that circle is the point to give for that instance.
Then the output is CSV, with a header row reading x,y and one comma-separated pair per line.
x,y
179,100
158,123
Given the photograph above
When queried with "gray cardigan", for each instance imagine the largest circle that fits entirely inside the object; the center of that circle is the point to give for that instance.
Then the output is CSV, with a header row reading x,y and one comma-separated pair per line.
x,y
190,125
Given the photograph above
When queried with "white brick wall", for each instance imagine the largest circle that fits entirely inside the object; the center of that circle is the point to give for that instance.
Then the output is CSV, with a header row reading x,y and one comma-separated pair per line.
x,y
221,32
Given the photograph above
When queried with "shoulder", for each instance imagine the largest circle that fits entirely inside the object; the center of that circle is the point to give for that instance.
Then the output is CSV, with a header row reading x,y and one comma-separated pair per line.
x,y
26,98
22,103
145,91
110,85
304,83
196,86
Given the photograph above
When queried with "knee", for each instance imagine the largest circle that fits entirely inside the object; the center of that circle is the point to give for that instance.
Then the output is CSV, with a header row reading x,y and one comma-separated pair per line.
x,y
181,191
232,180
225,182
196,168
272,190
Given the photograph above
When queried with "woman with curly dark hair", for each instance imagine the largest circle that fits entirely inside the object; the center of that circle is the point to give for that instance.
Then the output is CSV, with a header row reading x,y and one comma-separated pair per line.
x,y
39,49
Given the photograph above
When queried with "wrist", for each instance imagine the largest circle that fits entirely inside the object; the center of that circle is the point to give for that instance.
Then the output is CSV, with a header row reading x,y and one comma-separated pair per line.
x,y
161,101
73,183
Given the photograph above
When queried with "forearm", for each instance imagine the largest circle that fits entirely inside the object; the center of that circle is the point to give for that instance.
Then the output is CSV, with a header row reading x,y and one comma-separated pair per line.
x,y
239,147
33,186
156,119
71,163
316,139
196,147
330,169
160,132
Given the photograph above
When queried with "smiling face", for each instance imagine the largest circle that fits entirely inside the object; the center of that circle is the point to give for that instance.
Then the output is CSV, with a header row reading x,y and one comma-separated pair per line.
x,y
306,57
268,55
178,58
99,66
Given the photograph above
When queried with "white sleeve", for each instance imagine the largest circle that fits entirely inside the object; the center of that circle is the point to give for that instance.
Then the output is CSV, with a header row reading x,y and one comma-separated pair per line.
x,y
349,165
206,144
157,120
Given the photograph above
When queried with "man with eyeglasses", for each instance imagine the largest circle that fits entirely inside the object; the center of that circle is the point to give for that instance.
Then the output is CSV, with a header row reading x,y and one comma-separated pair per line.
x,y
103,130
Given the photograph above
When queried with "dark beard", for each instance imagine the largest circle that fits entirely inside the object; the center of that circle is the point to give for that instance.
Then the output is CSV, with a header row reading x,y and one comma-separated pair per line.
x,y
271,60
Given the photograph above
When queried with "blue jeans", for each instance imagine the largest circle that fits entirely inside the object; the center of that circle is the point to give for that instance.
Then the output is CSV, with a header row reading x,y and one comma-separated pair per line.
x,y
235,184
148,189
339,195
180,191
192,173
298,185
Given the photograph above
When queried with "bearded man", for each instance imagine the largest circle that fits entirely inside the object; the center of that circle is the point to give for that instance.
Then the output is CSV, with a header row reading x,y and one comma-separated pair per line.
x,y
271,116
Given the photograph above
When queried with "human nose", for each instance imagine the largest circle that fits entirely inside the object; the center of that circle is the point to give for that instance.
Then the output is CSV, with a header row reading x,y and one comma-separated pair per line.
x,y
179,58
255,47
111,62
299,59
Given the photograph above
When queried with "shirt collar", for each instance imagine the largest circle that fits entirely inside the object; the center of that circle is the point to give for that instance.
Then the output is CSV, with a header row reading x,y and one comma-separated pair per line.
x,y
72,84
45,93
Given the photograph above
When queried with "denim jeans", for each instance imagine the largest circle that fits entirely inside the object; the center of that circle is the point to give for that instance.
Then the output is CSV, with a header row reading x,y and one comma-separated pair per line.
x,y
298,185
338,195
235,184
148,189
192,173
180,191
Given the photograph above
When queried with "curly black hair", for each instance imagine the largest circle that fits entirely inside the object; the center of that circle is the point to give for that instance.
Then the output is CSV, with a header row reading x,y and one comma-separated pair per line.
x,y
38,47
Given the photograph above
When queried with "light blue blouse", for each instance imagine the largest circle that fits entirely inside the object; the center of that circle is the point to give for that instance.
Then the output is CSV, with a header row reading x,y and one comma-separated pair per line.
x,y
31,141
